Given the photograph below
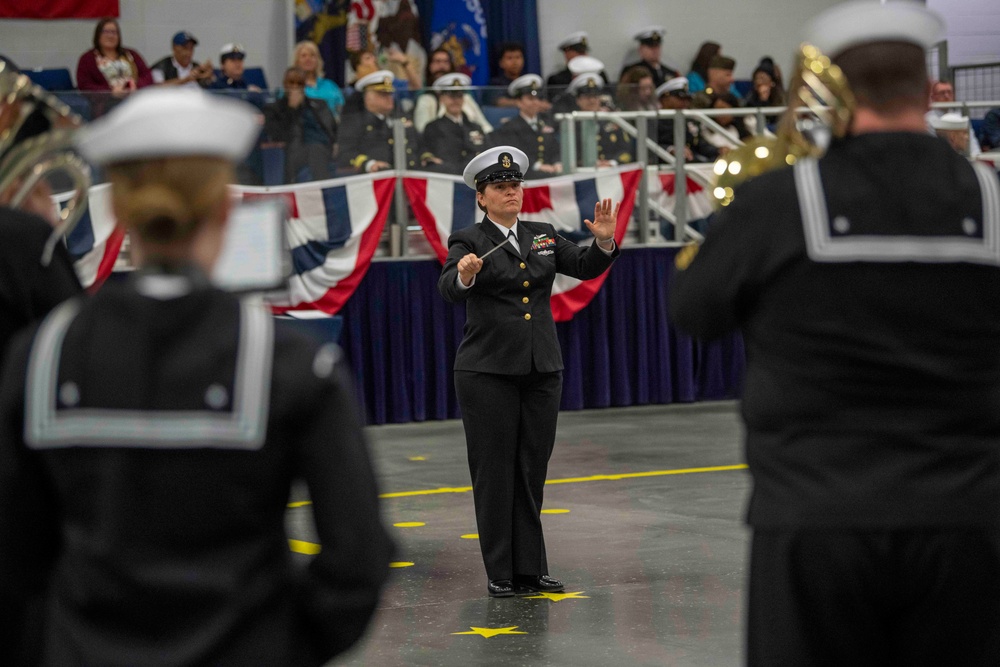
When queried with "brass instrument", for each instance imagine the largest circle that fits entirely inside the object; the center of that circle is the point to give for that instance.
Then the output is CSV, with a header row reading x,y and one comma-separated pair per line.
x,y
36,140
820,87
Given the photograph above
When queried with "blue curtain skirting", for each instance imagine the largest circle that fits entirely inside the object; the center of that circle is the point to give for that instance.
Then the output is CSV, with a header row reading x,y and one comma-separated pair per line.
x,y
401,336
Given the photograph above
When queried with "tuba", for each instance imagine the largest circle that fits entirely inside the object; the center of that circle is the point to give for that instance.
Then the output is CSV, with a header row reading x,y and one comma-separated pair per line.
x,y
820,90
36,141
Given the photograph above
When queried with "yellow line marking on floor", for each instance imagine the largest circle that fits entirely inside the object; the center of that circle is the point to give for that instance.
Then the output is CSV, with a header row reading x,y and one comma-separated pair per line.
x,y
409,524
471,536
555,511
427,492
567,480
300,547
401,564
301,503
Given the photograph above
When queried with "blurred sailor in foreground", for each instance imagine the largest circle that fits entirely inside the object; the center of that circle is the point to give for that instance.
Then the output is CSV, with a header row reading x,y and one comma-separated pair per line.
x,y
150,435
36,272
508,369
866,285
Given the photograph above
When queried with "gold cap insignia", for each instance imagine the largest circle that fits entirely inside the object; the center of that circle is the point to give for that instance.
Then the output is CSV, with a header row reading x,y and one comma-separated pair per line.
x,y
505,160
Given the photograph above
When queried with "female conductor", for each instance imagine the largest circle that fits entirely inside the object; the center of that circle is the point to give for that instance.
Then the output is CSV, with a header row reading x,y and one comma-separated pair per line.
x,y
508,369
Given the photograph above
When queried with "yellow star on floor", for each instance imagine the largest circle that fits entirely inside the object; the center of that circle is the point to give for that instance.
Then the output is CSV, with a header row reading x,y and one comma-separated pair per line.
x,y
492,632
556,597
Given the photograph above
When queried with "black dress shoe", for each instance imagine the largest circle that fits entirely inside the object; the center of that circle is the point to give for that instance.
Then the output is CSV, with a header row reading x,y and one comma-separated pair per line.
x,y
501,588
542,583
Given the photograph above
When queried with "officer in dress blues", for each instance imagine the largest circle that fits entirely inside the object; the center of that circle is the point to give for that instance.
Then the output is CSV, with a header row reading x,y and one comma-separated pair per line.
x,y
650,46
508,369
150,435
866,285
613,146
528,131
366,138
452,140
574,45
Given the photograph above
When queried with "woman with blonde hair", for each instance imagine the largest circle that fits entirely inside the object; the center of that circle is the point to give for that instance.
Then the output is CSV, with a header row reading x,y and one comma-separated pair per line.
x,y
307,58
150,436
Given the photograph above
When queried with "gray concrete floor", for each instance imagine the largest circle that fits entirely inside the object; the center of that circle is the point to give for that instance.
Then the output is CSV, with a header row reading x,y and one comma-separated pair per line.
x,y
654,562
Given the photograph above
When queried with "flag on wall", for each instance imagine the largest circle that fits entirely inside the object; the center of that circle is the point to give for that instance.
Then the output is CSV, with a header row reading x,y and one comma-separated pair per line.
x,y
94,242
58,9
460,27
325,23
444,204
333,230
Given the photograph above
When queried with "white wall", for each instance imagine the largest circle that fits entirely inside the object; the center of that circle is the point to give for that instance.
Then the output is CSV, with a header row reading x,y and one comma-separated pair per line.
x,y
747,30
262,26
973,29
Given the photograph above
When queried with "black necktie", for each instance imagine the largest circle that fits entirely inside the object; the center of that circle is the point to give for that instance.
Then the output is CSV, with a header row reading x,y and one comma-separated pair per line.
x,y
513,239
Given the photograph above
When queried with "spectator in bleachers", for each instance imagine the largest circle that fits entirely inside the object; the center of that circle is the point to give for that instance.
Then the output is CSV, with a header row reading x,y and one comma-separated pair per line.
x,y
991,130
698,75
109,66
613,146
428,108
674,95
650,49
636,90
767,89
231,82
439,62
454,138
528,132
720,79
180,68
510,64
565,102
573,46
366,138
306,57
307,127
362,63
944,91
953,127
231,60
735,129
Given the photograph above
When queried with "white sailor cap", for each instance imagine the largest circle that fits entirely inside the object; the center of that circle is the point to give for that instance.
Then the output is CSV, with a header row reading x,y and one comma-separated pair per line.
x,y
863,21
650,36
380,81
676,86
171,122
453,80
575,41
232,50
496,165
588,82
584,64
950,121
526,84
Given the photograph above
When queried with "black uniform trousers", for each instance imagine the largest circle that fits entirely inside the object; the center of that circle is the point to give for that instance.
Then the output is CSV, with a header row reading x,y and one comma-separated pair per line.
x,y
877,597
510,428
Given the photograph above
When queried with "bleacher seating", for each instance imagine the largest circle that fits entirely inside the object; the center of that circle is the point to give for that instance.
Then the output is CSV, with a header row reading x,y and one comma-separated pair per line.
x,y
497,115
55,79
